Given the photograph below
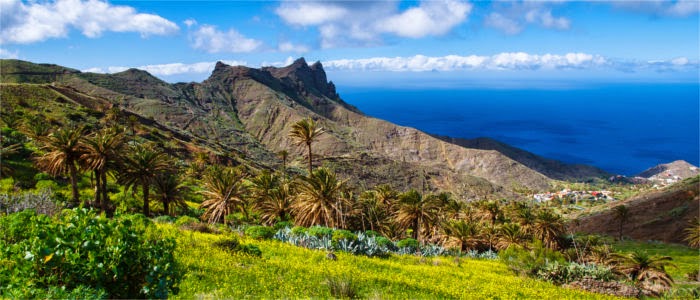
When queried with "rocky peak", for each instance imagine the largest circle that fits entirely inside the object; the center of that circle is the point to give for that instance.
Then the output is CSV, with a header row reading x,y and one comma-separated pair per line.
x,y
679,168
304,78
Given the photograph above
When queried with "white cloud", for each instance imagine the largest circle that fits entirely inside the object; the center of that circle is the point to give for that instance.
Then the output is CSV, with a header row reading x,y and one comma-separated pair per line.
x,y
4,53
344,23
37,21
503,23
291,47
190,22
501,61
680,8
509,61
513,17
311,13
429,18
212,40
169,69
286,62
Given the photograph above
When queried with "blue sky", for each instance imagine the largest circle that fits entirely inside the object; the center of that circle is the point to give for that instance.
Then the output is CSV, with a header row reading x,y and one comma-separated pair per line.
x,y
360,41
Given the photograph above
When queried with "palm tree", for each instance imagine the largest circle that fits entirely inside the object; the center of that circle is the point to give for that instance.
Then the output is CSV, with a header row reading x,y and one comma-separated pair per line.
x,y
692,233
224,191
284,155
170,190
491,210
621,214
318,199
5,151
510,234
648,271
548,227
416,212
306,132
62,154
464,231
141,168
101,151
273,197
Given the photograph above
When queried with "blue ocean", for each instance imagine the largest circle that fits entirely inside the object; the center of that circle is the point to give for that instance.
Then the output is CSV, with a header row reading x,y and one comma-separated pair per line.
x,y
620,128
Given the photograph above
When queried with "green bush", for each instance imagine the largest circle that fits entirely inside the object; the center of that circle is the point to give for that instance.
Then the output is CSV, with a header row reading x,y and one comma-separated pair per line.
x,y
282,225
186,220
260,232
299,230
233,245
319,231
342,234
81,254
371,233
529,262
164,219
384,242
408,243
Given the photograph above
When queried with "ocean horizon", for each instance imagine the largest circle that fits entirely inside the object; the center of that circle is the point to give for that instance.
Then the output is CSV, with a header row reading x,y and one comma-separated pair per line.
x,y
622,128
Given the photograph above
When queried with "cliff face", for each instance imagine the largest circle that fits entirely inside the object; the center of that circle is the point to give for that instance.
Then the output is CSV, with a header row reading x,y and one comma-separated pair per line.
x,y
249,112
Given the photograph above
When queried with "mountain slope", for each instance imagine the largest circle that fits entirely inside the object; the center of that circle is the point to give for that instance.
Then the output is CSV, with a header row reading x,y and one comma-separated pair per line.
x,y
551,168
247,113
658,215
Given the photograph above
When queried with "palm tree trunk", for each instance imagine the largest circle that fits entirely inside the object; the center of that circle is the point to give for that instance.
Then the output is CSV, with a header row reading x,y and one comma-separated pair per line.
x,y
105,198
98,187
74,182
310,158
95,179
166,203
144,189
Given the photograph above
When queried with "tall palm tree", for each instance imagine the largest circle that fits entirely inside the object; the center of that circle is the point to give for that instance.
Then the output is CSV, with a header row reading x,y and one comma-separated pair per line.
x,y
510,234
416,212
491,210
318,199
648,271
224,192
548,227
62,152
464,231
170,191
622,214
273,197
141,168
306,131
692,233
100,152
284,154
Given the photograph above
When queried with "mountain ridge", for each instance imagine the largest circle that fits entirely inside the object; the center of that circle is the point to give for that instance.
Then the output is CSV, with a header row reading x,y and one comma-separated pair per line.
x,y
251,110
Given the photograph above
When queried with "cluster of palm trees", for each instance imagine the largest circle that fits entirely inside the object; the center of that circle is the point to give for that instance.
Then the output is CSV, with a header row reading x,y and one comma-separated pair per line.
x,y
68,151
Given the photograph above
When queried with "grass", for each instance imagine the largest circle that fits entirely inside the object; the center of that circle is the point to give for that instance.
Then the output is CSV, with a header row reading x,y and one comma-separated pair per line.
x,y
286,271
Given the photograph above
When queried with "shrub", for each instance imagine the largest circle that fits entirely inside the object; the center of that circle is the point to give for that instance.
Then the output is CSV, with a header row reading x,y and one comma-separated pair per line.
x,y
319,231
298,231
42,202
283,224
564,273
229,244
185,221
164,219
529,262
371,233
342,288
260,232
385,242
342,234
87,256
250,249
408,243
